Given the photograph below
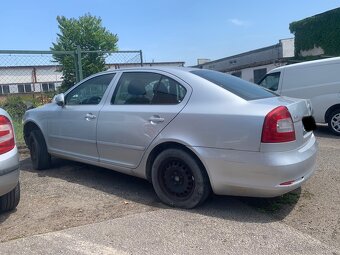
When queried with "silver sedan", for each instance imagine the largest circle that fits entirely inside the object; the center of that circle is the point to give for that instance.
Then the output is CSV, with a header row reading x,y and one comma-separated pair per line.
x,y
188,131
9,165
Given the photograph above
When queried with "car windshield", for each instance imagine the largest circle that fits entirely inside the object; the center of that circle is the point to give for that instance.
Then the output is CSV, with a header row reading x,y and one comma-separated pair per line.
x,y
237,86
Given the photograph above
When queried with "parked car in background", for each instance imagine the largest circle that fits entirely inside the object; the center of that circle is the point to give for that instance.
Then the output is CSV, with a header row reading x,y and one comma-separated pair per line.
x,y
188,131
318,81
9,165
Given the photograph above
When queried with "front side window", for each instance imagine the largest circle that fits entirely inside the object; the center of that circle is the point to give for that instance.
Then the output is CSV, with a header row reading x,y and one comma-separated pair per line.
x,y
89,92
271,81
147,88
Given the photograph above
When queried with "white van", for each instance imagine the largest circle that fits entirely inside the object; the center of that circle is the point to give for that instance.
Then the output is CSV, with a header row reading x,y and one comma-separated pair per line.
x,y
317,80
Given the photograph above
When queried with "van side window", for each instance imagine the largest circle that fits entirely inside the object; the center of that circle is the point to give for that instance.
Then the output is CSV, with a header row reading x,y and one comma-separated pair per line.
x,y
271,81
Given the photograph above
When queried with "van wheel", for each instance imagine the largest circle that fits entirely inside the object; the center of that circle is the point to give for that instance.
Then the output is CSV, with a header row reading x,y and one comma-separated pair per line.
x,y
40,157
334,122
179,180
10,200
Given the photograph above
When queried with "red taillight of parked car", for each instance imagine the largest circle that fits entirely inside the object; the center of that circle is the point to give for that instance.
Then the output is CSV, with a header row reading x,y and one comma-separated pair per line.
x,y
278,126
7,141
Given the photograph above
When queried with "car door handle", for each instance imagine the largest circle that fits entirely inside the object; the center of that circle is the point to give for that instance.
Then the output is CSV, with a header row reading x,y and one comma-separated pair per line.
x,y
156,119
90,116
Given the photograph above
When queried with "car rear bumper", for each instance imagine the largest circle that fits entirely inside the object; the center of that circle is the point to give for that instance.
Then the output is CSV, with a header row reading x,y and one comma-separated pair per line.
x,y
258,174
9,171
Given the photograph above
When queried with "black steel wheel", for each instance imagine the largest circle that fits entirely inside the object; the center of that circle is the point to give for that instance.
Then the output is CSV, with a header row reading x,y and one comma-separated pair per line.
x,y
176,178
179,180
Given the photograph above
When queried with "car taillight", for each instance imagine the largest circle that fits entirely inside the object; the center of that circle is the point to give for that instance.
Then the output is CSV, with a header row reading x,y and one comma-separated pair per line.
x,y
7,142
278,126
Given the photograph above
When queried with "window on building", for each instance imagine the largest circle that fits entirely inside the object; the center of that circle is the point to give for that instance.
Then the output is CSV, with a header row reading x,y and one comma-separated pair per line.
x,y
21,88
44,87
48,87
1,90
51,87
5,89
237,74
28,88
259,74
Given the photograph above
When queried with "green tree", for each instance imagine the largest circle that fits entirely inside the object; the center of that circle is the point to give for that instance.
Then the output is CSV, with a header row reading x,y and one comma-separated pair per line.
x,y
87,32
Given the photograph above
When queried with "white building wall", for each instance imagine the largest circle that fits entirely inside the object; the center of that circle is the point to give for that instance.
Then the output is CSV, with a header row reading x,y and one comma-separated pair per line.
x,y
22,75
48,74
248,73
316,51
15,75
288,47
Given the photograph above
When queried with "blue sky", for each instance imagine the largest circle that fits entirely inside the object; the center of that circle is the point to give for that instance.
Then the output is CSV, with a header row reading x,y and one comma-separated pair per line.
x,y
165,30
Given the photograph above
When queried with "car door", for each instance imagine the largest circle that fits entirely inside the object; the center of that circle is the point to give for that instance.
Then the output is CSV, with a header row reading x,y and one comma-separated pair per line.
x,y
72,128
142,104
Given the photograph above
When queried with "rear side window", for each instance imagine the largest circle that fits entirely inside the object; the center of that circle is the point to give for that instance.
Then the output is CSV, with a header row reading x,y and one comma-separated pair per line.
x,y
271,81
239,87
137,88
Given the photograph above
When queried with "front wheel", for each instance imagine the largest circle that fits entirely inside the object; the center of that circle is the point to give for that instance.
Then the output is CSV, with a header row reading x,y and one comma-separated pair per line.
x,y
179,180
334,122
40,157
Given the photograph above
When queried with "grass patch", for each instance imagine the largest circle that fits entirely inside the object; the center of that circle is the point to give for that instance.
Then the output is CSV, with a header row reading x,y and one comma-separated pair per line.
x,y
272,205
18,129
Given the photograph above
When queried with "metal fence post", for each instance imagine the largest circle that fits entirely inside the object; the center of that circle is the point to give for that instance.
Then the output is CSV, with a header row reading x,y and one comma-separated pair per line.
x,y
76,70
80,69
141,57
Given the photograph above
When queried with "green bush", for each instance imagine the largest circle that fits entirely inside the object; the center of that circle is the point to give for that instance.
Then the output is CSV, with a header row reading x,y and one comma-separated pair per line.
x,y
322,30
16,106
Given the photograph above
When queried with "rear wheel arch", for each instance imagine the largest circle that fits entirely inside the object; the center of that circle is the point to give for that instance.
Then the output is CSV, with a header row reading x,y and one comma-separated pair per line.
x,y
170,145
330,111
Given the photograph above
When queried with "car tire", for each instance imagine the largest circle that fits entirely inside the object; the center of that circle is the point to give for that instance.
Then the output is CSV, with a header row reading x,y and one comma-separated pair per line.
x,y
179,180
334,122
10,200
40,157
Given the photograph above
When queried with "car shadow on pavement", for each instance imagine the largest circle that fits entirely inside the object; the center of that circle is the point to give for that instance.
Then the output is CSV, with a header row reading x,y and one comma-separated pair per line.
x,y
323,131
108,181
129,188
5,215
250,209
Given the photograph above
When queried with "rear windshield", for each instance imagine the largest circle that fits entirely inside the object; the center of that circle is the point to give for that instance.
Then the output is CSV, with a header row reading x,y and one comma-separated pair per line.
x,y
237,86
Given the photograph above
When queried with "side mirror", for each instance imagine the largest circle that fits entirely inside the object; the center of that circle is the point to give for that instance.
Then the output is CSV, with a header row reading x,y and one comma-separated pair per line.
x,y
60,99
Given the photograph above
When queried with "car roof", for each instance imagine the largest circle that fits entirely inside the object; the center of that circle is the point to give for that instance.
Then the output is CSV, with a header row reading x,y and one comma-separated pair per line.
x,y
308,63
169,69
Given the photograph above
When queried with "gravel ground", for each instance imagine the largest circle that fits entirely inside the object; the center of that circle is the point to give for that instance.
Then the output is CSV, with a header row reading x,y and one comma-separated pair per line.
x,y
73,194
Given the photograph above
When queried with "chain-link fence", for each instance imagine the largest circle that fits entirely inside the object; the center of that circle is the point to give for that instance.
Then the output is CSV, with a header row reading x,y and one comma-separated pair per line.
x,y
38,73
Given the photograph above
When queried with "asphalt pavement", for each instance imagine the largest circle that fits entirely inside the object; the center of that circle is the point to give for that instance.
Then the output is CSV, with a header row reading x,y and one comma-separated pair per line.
x,y
225,225
175,232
